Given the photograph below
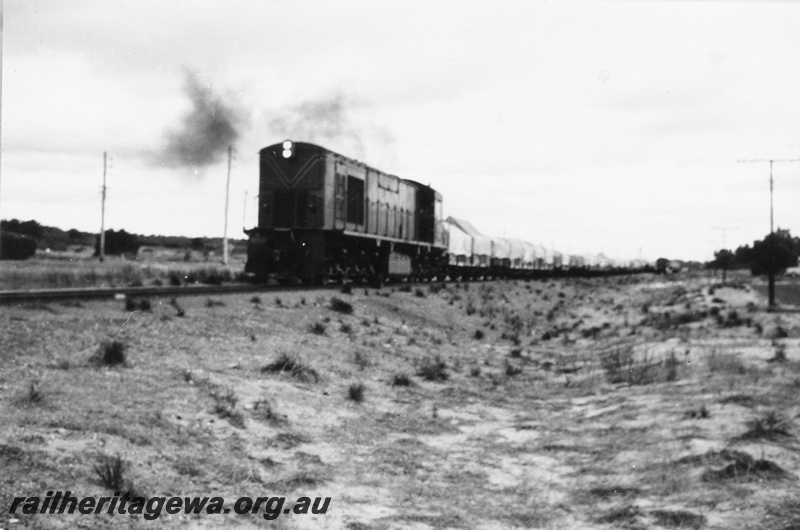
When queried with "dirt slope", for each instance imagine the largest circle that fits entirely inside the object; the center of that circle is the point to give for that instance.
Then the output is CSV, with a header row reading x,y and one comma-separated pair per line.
x,y
629,402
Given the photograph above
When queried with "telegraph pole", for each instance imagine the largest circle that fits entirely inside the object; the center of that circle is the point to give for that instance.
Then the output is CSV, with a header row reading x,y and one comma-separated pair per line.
x,y
227,193
103,211
244,211
724,230
771,218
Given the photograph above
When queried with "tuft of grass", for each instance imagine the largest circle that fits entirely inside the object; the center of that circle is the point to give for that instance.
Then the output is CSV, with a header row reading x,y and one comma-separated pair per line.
x,y
256,300
678,519
292,366
419,293
318,328
356,392
701,413
770,427
132,304
264,411
745,468
111,353
340,306
361,360
780,354
225,401
621,366
347,288
478,334
743,400
33,396
512,370
623,515
111,473
725,362
62,364
610,492
401,380
433,369
210,302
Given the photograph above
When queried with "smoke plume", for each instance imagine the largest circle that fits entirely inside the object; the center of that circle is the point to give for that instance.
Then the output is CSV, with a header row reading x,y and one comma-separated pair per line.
x,y
206,130
324,121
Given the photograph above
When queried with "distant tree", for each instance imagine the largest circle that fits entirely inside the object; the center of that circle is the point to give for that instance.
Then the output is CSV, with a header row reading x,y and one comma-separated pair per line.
x,y
198,243
119,243
723,259
774,254
743,257
27,228
16,246
74,234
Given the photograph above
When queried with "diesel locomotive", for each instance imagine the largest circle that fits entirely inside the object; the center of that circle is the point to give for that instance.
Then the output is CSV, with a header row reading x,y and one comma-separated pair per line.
x,y
325,217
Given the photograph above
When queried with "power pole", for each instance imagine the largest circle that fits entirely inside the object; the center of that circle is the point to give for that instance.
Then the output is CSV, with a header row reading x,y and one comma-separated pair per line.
x,y
771,161
244,211
724,230
103,211
227,193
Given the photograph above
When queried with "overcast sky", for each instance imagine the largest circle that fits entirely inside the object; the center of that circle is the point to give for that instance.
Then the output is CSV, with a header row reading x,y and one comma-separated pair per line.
x,y
610,126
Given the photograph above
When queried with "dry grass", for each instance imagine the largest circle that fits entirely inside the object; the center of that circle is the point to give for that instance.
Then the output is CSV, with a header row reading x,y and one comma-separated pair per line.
x,y
609,424
43,273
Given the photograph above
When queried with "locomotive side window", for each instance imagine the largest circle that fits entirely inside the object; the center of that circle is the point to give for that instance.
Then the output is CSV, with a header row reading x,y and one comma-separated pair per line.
x,y
355,200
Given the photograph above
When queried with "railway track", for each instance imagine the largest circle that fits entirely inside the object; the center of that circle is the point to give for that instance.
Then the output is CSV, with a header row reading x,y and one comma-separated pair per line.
x,y
110,293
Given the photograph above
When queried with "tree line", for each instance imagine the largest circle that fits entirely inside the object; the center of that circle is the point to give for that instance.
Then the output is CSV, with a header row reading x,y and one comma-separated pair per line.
x,y
20,239
773,254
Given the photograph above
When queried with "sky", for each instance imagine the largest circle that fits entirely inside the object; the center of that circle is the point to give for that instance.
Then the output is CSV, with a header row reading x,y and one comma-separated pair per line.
x,y
600,126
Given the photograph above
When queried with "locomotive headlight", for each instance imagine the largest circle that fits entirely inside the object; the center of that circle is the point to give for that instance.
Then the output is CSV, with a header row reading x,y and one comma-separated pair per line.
x,y
288,149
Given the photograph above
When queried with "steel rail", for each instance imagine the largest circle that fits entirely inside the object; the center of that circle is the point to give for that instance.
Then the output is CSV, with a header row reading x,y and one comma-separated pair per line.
x,y
99,293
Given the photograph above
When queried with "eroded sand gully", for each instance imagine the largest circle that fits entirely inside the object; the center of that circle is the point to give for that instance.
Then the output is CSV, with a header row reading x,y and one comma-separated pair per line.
x,y
629,402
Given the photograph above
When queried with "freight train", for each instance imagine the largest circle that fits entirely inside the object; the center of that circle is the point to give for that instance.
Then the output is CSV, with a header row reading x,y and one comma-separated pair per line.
x,y
325,217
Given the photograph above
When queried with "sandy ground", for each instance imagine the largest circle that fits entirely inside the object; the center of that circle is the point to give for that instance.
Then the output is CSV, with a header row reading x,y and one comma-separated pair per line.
x,y
629,402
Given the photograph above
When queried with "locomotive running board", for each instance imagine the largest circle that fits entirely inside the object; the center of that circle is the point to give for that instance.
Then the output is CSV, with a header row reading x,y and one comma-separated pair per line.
x,y
390,239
